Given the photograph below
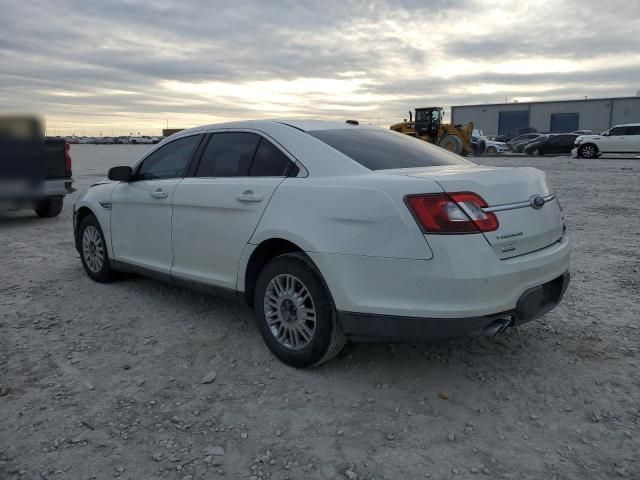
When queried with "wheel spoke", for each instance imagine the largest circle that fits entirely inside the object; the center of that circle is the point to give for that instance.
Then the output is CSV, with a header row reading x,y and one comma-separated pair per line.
x,y
289,311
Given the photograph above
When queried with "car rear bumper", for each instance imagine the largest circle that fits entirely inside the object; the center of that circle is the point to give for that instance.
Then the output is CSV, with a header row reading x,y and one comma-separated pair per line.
x,y
62,186
532,304
465,280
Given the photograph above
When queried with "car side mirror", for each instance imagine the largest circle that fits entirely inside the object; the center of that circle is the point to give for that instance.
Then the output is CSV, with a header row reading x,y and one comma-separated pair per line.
x,y
605,134
120,174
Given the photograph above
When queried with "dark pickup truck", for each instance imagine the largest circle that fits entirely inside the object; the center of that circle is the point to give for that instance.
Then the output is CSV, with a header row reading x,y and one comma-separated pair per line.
x,y
35,172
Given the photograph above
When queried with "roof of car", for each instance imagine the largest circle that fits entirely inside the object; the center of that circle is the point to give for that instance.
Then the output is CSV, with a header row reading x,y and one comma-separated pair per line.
x,y
304,125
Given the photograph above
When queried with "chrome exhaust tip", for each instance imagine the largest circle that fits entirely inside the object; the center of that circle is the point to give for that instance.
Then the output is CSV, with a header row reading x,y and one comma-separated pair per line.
x,y
497,328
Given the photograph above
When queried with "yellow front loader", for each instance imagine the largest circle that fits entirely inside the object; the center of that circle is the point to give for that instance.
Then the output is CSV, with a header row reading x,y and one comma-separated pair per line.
x,y
428,126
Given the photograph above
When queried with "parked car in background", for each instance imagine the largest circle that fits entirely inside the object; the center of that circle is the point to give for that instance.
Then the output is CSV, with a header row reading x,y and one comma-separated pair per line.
x,y
619,139
104,141
491,147
331,230
85,140
552,144
514,133
517,144
143,140
584,132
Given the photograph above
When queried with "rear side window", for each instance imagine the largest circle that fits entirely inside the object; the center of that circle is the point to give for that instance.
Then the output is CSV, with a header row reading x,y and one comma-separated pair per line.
x,y
633,130
378,149
269,161
228,154
170,160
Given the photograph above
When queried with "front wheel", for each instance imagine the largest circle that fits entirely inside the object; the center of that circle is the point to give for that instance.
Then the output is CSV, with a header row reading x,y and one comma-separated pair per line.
x,y
295,312
49,207
93,251
452,143
588,151
492,150
537,152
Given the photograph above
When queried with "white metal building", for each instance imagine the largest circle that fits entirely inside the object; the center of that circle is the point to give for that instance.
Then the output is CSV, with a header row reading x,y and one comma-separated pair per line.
x,y
553,116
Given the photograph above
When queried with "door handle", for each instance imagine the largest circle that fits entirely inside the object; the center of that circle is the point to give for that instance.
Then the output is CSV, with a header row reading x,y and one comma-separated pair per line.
x,y
248,196
159,194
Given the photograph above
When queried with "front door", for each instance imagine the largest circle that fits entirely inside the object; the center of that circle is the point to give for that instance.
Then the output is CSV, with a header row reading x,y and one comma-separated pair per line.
x,y
216,212
141,209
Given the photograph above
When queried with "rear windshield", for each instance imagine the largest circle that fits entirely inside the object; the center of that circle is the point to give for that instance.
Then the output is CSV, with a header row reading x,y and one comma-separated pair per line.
x,y
378,149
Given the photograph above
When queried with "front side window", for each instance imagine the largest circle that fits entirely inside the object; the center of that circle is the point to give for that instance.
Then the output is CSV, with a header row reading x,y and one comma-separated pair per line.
x,y
170,160
617,131
228,154
378,149
633,130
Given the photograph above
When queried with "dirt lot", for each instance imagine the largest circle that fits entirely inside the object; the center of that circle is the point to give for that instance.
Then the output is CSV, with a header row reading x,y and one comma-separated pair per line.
x,y
103,381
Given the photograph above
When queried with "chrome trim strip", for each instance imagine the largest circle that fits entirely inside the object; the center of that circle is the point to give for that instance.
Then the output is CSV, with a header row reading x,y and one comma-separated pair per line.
x,y
513,206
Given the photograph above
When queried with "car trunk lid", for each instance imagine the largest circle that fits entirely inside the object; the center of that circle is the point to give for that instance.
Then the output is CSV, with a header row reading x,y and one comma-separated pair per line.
x,y
509,192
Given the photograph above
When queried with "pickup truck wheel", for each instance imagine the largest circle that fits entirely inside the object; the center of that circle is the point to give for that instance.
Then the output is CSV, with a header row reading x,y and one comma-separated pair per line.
x,y
588,151
93,251
295,312
49,207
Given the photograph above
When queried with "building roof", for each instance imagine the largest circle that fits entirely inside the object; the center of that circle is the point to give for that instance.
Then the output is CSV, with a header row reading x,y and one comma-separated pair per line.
x,y
548,101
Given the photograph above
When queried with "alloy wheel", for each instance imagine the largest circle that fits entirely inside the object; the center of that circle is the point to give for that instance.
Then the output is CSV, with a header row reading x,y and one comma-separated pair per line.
x,y
588,151
92,249
290,311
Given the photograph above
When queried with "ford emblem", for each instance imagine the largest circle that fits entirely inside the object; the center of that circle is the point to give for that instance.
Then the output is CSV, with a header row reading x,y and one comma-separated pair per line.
x,y
536,201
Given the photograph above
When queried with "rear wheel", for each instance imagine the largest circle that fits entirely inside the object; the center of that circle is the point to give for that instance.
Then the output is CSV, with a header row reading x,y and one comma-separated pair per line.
x,y
588,151
295,312
451,143
93,251
49,207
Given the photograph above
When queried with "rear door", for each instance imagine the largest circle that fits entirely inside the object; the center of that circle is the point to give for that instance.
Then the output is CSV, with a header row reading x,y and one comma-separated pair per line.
x,y
216,211
633,139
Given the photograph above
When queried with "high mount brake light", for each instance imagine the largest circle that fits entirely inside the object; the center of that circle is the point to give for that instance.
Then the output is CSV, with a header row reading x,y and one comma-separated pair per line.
x,y
452,213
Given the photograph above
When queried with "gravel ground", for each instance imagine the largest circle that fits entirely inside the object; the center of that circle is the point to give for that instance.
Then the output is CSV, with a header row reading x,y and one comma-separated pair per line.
x,y
103,381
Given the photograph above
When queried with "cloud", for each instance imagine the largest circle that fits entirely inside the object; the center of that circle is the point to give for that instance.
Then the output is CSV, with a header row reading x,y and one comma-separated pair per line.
x,y
131,64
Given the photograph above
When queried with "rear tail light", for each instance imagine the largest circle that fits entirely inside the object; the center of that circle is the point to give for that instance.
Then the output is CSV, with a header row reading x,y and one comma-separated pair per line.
x,y
452,213
67,157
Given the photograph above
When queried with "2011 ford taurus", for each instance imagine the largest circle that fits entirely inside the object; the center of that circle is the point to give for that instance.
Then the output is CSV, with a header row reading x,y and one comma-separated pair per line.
x,y
332,231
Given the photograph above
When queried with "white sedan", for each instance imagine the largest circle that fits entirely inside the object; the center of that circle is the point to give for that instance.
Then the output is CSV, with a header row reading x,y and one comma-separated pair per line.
x,y
332,231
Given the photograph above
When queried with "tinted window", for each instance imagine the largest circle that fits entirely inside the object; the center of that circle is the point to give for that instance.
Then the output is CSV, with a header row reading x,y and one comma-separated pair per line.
x,y
269,161
378,149
633,130
228,155
618,131
170,161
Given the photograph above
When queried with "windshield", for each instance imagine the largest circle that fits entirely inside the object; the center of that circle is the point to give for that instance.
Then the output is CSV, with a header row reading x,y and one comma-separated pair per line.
x,y
378,149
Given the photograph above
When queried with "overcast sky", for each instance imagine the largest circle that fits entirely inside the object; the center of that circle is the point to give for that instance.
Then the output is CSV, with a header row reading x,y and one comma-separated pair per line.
x,y
120,66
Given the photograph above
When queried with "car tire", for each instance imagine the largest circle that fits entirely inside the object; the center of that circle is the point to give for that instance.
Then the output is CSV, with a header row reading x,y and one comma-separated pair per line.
x,y
492,150
93,251
588,151
49,207
537,152
295,312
